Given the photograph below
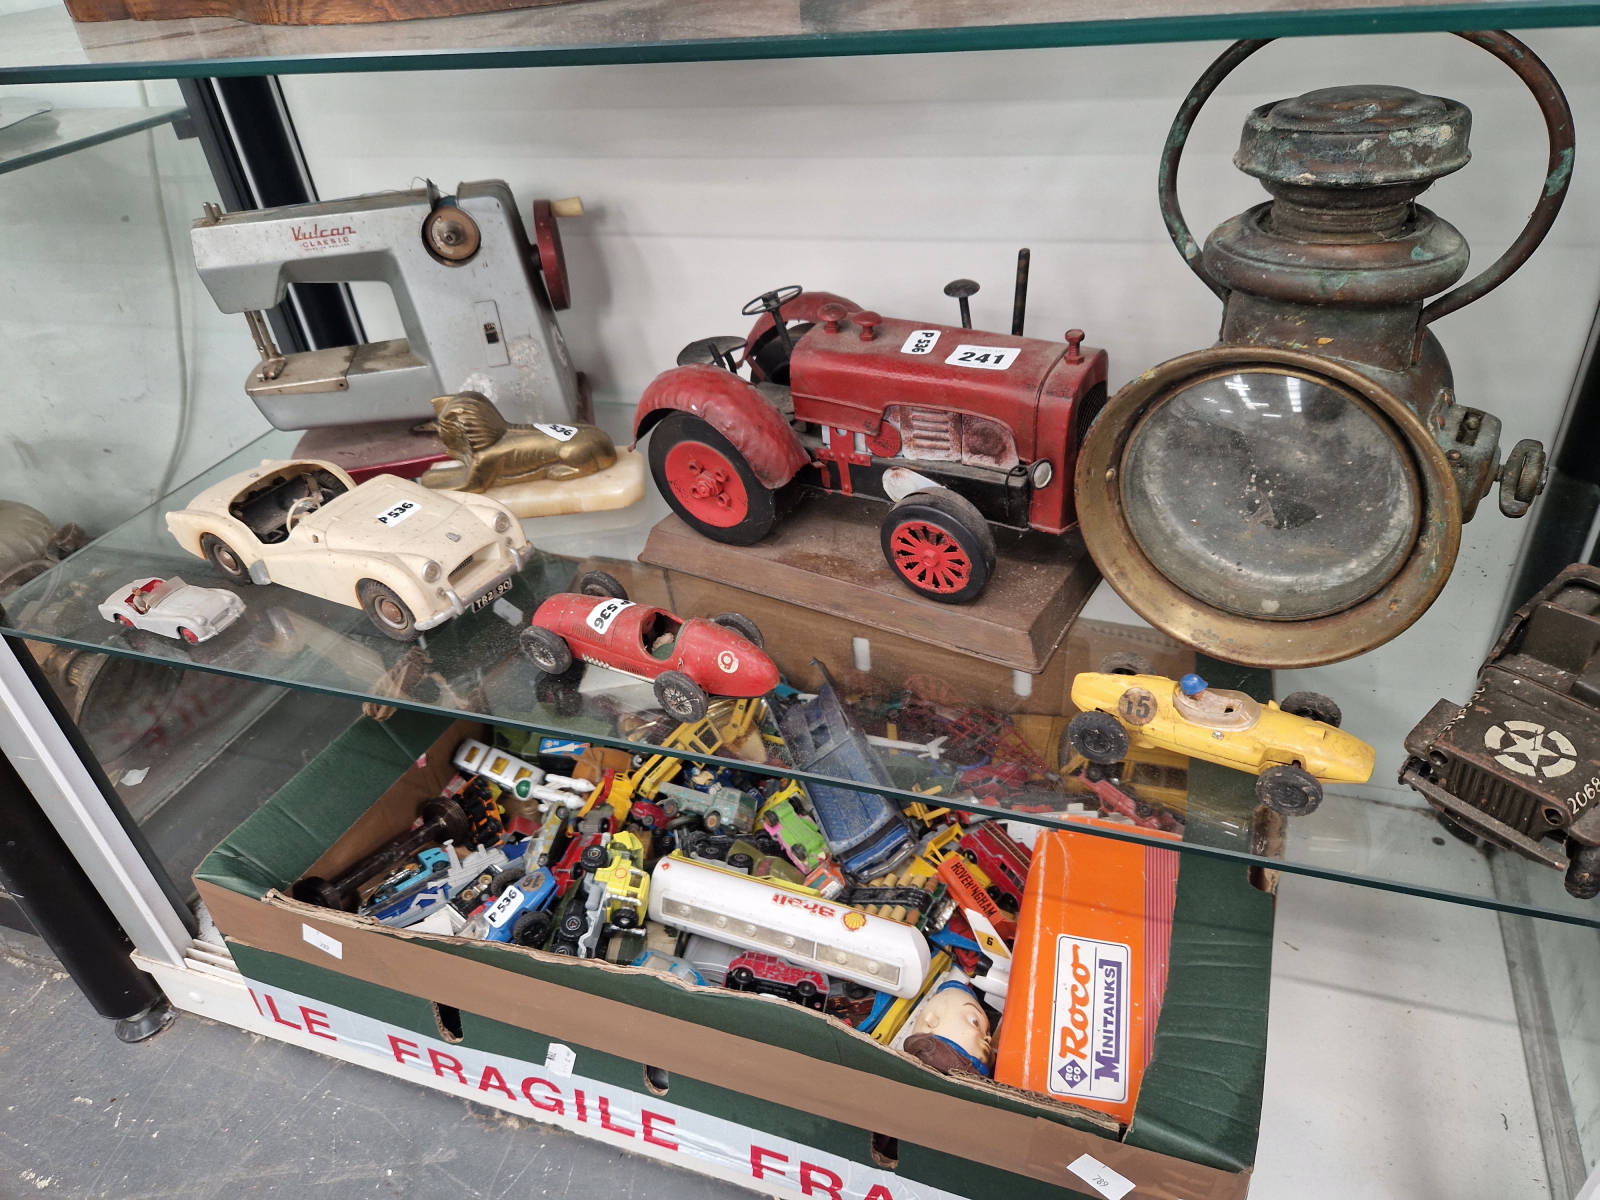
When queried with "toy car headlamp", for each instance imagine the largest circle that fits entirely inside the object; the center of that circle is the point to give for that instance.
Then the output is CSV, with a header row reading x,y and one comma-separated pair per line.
x,y
1270,506
1295,494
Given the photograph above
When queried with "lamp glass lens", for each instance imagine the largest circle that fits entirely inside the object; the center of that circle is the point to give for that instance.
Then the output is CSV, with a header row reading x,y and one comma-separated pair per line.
x,y
1270,495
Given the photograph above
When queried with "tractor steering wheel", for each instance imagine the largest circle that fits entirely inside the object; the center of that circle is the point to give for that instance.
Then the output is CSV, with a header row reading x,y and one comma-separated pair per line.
x,y
771,302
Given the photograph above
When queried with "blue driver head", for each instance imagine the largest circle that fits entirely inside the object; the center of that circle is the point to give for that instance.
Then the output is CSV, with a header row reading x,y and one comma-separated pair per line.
x,y
1192,685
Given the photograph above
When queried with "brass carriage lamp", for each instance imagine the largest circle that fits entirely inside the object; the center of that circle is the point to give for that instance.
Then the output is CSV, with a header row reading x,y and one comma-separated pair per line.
x,y
1294,494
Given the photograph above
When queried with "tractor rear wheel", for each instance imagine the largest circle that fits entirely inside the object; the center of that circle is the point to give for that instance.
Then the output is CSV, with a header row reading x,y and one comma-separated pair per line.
x,y
708,483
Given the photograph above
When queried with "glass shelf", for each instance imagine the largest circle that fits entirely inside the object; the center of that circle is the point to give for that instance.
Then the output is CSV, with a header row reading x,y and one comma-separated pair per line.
x,y
995,758
45,45
63,131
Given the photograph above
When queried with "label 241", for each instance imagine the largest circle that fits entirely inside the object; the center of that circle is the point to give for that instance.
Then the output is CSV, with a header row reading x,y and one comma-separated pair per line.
x,y
985,358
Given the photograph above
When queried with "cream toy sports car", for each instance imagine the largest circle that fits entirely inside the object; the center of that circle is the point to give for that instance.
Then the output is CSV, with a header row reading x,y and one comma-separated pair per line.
x,y
412,558
1293,749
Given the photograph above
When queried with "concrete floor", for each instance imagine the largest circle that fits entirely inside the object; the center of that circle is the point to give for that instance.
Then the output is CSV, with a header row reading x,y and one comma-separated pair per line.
x,y
205,1110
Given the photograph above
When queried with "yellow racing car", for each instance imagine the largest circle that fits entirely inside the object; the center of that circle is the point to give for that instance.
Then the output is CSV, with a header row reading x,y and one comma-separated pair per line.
x,y
1293,748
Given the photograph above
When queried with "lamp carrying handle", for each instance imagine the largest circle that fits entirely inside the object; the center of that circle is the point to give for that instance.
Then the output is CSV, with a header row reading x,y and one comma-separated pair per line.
x,y
1509,50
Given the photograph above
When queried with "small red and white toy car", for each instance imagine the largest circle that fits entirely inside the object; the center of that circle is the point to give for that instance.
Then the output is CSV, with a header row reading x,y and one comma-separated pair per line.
x,y
173,608
771,976
690,661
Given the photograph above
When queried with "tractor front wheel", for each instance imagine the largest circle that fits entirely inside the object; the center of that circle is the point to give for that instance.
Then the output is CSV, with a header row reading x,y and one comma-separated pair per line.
x,y
939,544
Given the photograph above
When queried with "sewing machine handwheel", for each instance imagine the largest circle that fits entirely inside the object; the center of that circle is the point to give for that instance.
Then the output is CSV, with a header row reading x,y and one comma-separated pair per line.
x,y
552,260
451,235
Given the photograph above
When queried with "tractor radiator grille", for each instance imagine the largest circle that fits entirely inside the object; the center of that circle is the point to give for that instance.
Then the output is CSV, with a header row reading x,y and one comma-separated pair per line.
x,y
1504,801
930,433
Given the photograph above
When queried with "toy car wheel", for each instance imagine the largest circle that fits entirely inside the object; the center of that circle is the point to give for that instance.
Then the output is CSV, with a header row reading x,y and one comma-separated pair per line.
x,y
572,925
626,919
224,558
1289,790
504,879
566,948
709,483
188,635
1456,829
1314,706
806,990
712,820
683,698
545,649
601,583
1099,737
387,611
593,858
742,625
531,928
741,978
561,691
1126,662
1583,870
939,545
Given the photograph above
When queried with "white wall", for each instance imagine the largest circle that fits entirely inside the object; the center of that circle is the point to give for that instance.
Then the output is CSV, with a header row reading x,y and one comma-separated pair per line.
x,y
119,372
883,178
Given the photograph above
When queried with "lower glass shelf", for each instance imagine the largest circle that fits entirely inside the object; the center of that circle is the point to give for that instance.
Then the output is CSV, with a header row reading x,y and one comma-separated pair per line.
x,y
946,728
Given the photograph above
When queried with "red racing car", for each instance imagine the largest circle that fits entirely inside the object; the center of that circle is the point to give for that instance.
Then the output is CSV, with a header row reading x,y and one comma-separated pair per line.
x,y
690,661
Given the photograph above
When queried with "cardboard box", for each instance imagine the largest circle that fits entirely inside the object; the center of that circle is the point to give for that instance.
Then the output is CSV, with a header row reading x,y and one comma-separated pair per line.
x,y
758,1090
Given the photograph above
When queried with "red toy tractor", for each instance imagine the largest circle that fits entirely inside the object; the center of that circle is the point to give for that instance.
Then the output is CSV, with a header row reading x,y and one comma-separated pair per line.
x,y
955,428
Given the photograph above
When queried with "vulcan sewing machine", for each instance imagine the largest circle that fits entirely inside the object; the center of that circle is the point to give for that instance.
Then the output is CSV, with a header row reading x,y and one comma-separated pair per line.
x,y
477,301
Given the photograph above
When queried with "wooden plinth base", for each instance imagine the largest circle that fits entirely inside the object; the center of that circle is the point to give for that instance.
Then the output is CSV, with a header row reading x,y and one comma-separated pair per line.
x,y
826,556
795,636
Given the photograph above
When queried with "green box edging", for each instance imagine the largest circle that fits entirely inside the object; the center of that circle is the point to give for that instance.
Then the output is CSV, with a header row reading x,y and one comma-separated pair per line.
x,y
1201,1096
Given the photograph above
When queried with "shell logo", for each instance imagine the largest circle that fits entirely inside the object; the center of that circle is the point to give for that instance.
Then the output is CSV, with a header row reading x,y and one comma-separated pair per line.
x,y
728,661
855,920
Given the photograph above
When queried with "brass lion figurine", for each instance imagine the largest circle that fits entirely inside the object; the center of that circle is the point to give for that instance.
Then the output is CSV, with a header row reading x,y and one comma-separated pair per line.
x,y
495,452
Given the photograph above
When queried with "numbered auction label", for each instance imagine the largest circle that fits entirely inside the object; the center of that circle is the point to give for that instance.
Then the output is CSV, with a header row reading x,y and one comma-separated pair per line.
x,y
561,433
986,358
921,341
510,901
604,613
400,512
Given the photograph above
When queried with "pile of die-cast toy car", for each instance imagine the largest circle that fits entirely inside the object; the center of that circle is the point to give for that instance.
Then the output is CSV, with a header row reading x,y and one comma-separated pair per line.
x,y
902,921
724,878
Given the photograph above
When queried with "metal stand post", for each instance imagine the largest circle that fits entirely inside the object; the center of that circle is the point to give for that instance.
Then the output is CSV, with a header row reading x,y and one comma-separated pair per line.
x,y
61,902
